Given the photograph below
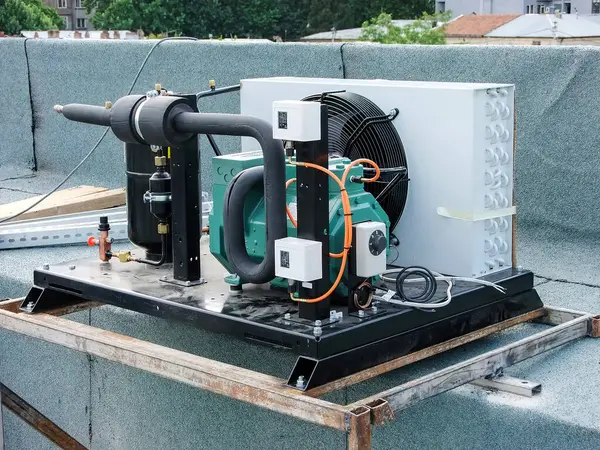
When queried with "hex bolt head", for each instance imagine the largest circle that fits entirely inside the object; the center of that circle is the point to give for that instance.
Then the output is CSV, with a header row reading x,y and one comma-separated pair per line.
x,y
287,316
300,381
188,283
361,313
374,309
46,266
520,268
71,267
317,331
318,323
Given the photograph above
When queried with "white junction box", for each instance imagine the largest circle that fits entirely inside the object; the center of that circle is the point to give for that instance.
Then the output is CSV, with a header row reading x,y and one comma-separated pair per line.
x,y
298,259
294,120
370,245
459,145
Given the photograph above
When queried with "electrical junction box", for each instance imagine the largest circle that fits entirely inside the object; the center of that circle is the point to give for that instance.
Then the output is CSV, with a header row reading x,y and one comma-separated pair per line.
x,y
369,247
459,146
298,121
298,259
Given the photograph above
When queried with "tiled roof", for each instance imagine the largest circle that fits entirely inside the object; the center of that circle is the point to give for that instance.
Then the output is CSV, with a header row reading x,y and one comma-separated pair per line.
x,y
475,25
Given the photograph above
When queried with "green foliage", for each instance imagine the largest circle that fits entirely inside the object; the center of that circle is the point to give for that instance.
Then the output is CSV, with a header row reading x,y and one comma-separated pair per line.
x,y
340,14
289,19
20,15
151,16
428,29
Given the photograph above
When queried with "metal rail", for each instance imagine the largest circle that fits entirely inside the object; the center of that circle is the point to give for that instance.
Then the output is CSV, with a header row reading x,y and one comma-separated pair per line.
x,y
36,420
271,393
72,228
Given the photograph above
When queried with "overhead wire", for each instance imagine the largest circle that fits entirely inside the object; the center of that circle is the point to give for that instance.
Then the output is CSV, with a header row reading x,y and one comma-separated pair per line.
x,y
99,141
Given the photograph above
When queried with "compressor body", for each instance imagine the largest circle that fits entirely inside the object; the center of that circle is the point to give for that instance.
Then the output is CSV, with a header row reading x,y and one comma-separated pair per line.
x,y
364,208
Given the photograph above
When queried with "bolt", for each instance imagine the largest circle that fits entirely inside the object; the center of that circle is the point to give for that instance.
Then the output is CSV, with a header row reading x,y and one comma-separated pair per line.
x,y
46,266
520,268
374,309
108,105
29,306
317,331
361,313
71,267
164,277
318,323
300,382
155,148
287,316
188,283
109,240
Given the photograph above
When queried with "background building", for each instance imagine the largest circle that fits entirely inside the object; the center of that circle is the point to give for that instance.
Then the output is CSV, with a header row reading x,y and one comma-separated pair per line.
x,y
525,29
73,13
459,7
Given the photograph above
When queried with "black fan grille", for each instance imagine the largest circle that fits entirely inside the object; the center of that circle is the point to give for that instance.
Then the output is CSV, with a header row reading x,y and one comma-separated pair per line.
x,y
379,141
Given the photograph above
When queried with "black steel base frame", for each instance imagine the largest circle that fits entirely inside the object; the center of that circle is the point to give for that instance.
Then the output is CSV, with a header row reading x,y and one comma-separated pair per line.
x,y
337,349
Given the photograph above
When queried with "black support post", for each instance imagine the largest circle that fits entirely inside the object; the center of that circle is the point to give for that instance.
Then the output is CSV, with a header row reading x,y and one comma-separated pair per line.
x,y
312,187
185,200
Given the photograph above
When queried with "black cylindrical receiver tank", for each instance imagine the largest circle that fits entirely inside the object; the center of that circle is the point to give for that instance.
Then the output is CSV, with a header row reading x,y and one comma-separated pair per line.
x,y
142,225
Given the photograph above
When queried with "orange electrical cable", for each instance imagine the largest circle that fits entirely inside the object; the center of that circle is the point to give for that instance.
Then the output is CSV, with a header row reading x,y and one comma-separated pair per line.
x,y
287,210
291,217
347,218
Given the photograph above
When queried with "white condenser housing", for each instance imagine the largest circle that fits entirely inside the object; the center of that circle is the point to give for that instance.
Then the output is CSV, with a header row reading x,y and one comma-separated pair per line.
x,y
459,142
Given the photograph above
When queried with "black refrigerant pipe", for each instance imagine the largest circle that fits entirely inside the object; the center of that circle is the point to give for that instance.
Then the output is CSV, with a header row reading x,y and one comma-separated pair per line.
x,y
273,173
166,120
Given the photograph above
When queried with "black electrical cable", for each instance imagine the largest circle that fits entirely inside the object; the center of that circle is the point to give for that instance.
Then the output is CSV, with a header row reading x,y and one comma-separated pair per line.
x,y
217,91
163,254
426,294
97,144
214,145
210,93
358,128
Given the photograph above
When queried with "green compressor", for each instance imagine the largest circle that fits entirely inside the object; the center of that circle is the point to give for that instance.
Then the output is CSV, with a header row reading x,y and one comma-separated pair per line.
x,y
363,205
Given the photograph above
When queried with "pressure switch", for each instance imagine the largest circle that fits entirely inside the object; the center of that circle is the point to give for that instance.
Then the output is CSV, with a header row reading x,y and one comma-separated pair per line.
x,y
298,259
298,121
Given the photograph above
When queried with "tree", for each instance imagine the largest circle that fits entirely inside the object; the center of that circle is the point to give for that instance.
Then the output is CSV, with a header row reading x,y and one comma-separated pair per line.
x,y
151,16
289,19
427,29
19,15
341,14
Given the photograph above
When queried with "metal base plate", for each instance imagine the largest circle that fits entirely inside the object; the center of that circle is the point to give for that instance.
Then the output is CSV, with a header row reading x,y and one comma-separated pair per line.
x,y
341,346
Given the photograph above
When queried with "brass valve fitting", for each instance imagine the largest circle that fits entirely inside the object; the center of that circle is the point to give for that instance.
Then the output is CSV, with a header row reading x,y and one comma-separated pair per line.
x,y
163,228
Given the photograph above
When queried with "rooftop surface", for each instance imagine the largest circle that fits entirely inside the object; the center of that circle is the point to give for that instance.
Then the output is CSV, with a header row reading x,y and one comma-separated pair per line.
x,y
349,34
549,26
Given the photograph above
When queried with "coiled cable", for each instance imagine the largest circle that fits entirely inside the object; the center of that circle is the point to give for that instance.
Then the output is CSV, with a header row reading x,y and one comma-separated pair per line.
x,y
426,294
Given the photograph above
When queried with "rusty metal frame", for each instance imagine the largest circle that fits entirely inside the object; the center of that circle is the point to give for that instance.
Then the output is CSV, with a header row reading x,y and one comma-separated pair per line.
x,y
271,392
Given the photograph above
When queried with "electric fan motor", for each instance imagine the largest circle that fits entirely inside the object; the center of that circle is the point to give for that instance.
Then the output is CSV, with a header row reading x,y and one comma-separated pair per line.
x,y
358,128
